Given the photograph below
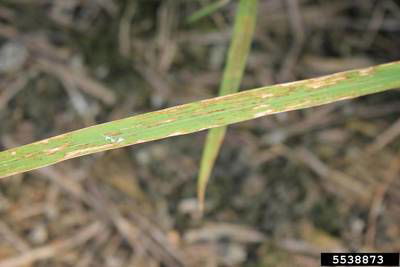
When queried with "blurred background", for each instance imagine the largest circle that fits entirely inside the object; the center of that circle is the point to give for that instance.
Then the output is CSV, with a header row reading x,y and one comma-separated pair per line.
x,y
285,187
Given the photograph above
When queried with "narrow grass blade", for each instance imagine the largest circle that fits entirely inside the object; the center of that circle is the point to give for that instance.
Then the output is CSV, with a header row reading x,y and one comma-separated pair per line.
x,y
207,10
245,21
201,115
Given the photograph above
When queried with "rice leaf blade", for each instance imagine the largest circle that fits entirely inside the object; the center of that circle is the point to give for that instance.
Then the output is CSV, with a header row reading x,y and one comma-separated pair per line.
x,y
201,115
245,21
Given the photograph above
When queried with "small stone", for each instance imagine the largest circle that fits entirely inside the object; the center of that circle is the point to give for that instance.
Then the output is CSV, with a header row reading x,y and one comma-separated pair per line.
x,y
39,234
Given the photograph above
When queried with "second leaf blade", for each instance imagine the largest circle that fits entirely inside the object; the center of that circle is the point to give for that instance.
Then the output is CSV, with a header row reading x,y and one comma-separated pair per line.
x,y
245,21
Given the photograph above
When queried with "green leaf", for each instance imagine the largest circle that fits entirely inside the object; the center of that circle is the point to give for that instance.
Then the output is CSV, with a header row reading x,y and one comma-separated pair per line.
x,y
201,115
245,22
207,10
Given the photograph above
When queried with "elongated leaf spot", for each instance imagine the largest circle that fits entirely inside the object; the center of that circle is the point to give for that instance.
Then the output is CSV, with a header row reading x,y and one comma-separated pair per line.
x,y
176,133
261,106
263,113
29,155
56,149
169,120
290,84
366,72
267,95
388,64
207,102
113,133
326,81
53,150
85,151
301,104
13,153
345,97
222,97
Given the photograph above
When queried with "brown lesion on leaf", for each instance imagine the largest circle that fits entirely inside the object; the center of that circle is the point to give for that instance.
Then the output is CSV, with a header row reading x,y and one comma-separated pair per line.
x,y
29,155
114,133
260,106
287,88
215,111
81,152
290,84
267,95
169,120
367,71
169,111
212,101
161,122
326,81
264,113
298,105
57,149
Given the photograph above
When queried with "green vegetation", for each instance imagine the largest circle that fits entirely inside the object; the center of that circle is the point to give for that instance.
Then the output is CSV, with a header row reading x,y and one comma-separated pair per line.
x,y
238,51
201,115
